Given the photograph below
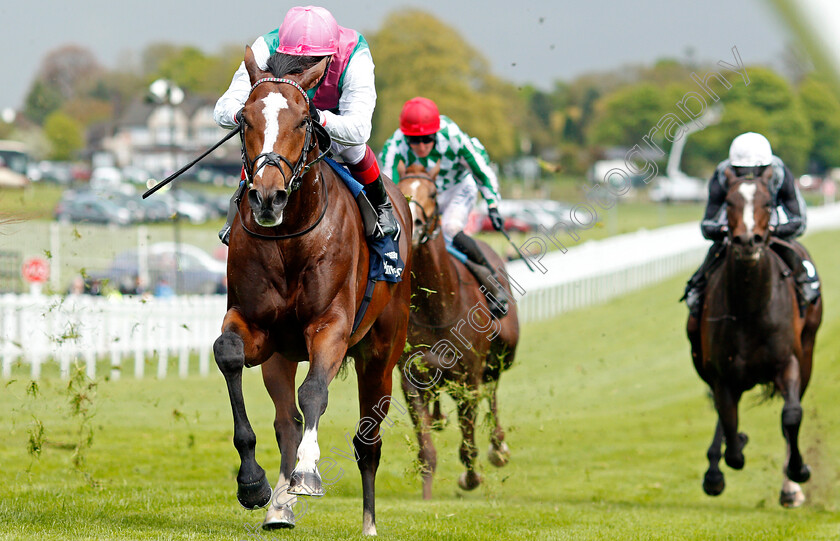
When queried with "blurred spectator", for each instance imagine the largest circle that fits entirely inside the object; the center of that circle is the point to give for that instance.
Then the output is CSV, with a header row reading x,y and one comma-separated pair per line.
x,y
136,286
163,289
77,286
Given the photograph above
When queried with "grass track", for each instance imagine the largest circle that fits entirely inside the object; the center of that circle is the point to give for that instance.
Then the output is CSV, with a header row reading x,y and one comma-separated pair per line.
x,y
607,422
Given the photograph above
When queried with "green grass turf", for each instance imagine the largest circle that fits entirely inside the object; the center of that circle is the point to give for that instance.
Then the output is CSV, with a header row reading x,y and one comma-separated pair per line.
x,y
607,422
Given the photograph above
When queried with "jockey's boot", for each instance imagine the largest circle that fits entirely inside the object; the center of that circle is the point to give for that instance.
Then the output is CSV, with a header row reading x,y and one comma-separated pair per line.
x,y
804,275
696,286
497,297
386,225
366,171
224,234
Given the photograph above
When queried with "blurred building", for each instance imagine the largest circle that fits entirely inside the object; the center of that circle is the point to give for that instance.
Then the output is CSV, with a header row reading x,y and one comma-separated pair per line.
x,y
160,138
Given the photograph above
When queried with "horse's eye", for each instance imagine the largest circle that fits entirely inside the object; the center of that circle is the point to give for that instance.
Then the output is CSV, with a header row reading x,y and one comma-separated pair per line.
x,y
302,123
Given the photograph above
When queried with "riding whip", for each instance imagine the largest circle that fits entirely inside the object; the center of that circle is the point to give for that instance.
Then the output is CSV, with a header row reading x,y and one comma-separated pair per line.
x,y
177,173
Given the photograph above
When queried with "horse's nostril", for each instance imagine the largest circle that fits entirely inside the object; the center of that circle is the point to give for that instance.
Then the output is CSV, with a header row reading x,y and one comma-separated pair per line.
x,y
280,199
757,238
254,199
737,240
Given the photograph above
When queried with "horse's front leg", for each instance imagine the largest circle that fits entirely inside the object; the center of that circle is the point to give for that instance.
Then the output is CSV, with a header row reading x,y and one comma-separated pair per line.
x,y
726,402
326,341
499,453
279,378
374,377
467,410
713,481
238,344
789,383
418,408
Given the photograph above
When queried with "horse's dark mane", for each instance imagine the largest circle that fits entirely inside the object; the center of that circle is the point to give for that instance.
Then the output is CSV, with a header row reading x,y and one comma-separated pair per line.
x,y
280,64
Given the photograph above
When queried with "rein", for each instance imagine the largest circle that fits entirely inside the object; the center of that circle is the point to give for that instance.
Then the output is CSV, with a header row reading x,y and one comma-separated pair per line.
x,y
298,170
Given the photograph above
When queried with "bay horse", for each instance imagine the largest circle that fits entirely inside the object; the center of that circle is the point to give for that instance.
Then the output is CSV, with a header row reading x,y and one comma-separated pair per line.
x,y
446,299
751,332
297,273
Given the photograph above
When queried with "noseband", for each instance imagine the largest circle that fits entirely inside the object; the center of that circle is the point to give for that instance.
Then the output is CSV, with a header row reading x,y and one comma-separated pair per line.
x,y
429,233
299,168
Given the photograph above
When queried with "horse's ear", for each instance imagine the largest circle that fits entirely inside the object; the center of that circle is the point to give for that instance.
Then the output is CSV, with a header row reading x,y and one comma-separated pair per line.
x,y
767,174
254,71
401,169
435,170
310,77
730,175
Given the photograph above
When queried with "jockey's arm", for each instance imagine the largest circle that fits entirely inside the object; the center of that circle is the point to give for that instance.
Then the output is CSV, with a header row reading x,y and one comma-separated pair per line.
x,y
479,164
390,157
713,223
240,87
352,125
791,201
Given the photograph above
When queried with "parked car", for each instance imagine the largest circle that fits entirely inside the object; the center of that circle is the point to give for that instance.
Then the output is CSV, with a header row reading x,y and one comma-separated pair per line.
x,y
190,270
89,208
523,215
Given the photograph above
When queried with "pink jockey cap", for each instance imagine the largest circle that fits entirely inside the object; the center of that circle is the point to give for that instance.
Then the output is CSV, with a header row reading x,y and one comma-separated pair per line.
x,y
308,31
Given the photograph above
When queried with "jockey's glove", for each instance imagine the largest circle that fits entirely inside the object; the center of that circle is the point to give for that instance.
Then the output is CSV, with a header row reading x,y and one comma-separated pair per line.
x,y
496,219
238,116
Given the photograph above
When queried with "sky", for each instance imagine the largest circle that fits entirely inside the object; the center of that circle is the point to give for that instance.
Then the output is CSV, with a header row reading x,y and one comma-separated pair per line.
x,y
527,41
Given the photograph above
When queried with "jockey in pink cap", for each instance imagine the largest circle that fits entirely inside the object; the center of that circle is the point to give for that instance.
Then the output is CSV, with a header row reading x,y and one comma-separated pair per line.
x,y
343,101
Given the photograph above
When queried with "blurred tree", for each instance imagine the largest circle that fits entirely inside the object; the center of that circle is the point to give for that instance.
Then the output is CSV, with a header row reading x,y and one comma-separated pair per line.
x,y
822,108
64,134
418,55
68,68
190,68
6,130
41,100
88,111
623,117
768,106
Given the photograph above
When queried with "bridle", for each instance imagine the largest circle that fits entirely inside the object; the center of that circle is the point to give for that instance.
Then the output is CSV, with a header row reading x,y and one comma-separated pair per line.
x,y
431,224
315,135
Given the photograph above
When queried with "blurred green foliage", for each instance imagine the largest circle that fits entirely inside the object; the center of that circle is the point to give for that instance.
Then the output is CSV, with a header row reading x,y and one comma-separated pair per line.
x,y
569,125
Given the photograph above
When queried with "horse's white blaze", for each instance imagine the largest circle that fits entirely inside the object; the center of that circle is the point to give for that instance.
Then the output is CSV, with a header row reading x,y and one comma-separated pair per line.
x,y
748,191
273,103
308,452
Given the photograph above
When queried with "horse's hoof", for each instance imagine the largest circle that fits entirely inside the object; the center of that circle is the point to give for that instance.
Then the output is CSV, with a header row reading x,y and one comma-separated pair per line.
x,y
306,484
469,481
279,518
801,476
713,483
254,495
499,457
791,495
735,458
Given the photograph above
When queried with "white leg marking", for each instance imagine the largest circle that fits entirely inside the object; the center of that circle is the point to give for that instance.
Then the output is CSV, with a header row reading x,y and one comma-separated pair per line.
x,y
308,452
748,191
368,526
273,103
282,503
